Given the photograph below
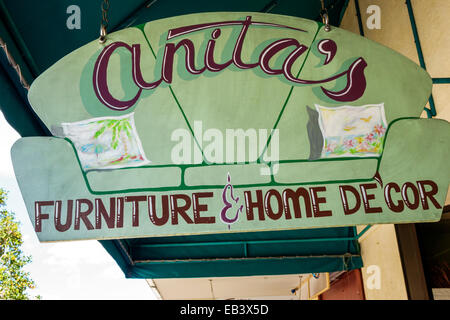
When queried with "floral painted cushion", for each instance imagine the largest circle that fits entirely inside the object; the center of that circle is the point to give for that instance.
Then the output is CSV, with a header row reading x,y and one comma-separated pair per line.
x,y
106,143
352,131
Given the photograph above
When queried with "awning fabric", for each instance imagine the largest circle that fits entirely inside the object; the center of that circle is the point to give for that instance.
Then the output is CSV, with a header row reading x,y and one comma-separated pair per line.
x,y
37,47
238,254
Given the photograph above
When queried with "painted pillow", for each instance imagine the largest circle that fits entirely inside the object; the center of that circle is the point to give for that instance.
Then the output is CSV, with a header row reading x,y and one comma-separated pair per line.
x,y
352,131
106,142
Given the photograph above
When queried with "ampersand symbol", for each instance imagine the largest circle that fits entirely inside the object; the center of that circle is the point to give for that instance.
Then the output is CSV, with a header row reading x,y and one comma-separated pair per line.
x,y
228,205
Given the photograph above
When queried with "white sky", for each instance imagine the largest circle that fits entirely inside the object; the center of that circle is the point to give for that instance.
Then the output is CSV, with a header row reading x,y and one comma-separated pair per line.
x,y
64,270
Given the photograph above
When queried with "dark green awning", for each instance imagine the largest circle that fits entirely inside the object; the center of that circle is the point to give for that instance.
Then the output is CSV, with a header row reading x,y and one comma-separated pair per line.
x,y
238,254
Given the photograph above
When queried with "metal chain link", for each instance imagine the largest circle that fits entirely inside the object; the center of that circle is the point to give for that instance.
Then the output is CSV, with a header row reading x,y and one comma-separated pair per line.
x,y
104,23
324,15
13,64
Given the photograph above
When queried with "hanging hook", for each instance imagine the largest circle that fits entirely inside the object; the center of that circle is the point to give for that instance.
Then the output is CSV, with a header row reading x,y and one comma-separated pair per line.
x,y
324,15
102,38
325,21
104,23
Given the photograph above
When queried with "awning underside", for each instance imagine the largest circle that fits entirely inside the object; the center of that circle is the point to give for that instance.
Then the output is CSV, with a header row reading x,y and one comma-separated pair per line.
x,y
238,254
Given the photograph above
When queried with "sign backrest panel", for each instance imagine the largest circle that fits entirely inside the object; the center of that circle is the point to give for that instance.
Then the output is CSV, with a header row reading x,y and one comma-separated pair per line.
x,y
234,95
230,122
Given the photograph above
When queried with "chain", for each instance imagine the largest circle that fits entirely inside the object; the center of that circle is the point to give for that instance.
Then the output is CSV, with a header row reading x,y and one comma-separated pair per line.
x,y
13,64
324,15
104,23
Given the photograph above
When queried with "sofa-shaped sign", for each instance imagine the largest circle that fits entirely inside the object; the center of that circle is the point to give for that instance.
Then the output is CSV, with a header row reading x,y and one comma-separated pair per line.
x,y
230,122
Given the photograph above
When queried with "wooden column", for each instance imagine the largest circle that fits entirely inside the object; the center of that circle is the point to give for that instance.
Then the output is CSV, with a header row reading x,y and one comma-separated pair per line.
x,y
408,246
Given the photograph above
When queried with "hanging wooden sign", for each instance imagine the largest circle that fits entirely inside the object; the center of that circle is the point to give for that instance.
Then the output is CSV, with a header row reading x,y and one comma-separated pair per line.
x,y
230,122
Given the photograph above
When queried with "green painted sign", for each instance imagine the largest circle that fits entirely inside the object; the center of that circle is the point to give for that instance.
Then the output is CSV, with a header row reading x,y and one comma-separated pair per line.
x,y
230,122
